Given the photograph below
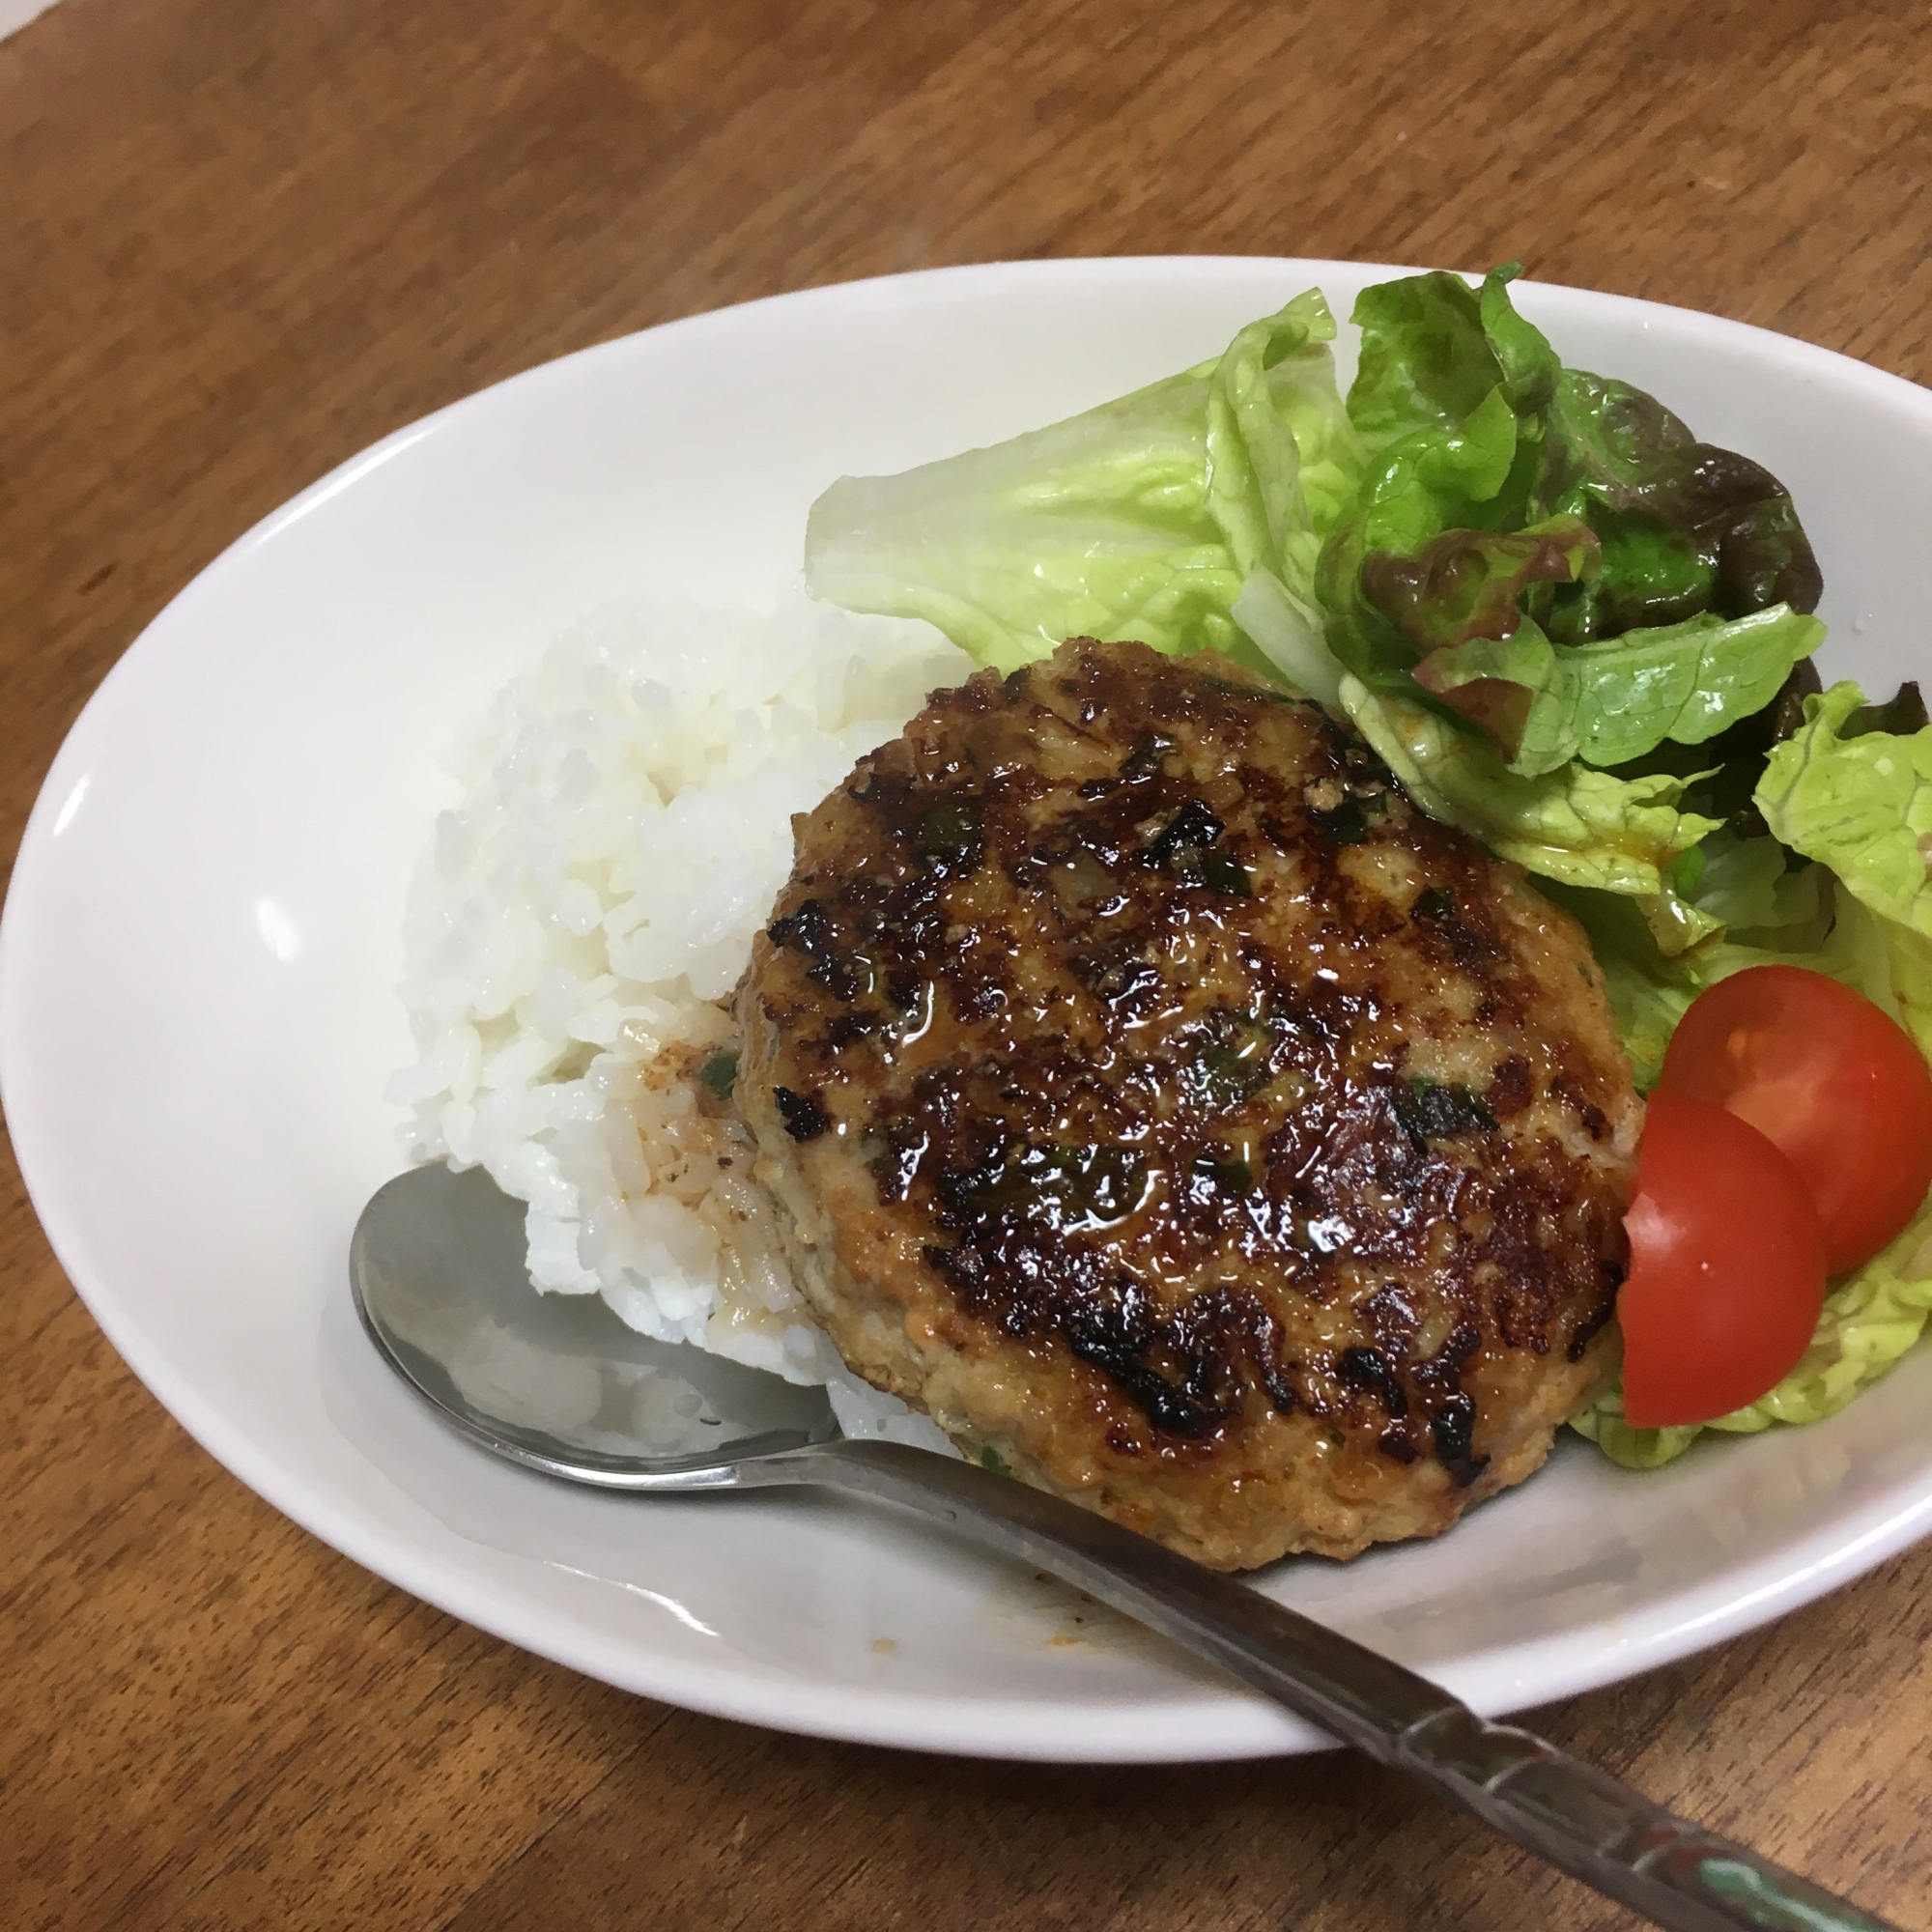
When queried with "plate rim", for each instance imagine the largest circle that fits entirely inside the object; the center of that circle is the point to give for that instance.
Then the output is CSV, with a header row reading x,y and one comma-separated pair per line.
x,y
1217,1726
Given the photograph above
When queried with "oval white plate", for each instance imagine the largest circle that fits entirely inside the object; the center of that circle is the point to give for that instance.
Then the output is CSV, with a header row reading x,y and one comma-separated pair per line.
x,y
197,1017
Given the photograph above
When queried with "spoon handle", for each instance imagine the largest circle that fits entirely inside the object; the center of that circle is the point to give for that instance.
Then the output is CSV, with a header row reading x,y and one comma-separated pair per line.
x,y
1580,1818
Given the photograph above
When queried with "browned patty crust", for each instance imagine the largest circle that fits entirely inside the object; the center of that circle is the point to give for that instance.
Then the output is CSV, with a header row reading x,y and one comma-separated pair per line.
x,y
1183,1117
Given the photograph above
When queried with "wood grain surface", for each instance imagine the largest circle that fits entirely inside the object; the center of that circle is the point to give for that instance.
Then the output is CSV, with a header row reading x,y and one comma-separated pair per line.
x,y
238,242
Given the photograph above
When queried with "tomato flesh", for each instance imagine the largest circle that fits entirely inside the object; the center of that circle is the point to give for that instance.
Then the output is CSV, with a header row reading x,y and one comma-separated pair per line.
x,y
1837,1085
1726,1269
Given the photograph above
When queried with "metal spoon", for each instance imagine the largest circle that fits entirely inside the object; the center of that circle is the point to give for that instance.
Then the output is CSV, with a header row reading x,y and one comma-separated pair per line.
x,y
558,1383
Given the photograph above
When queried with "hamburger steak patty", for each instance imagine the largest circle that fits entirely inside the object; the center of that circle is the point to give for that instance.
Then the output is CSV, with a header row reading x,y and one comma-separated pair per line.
x,y
1183,1119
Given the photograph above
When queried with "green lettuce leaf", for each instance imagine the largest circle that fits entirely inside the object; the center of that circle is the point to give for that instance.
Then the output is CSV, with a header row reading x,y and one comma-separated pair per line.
x,y
1615,698
1770,913
1142,519
1436,402
1288,633
1748,884
1434,350
1861,804
1582,827
1524,696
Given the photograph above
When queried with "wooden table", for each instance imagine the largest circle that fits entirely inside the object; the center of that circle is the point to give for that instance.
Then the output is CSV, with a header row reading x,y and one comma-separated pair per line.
x,y
239,243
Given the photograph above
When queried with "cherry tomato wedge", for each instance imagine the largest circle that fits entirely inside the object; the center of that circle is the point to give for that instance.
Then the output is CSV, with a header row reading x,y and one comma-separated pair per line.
x,y
1726,1270
1835,1081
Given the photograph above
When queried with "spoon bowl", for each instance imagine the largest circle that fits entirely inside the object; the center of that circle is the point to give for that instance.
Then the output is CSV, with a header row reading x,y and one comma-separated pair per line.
x,y
557,1383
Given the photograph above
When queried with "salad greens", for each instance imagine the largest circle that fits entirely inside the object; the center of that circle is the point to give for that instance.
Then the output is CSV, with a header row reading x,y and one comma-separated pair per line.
x,y
1613,699
1512,507
1517,577
1582,826
1141,519
1568,627
1858,799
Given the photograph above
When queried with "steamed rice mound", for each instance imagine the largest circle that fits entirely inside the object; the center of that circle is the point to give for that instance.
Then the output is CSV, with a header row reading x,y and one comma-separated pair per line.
x,y
576,930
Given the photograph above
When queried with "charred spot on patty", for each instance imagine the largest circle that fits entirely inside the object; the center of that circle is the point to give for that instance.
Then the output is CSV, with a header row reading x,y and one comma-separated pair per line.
x,y
803,1114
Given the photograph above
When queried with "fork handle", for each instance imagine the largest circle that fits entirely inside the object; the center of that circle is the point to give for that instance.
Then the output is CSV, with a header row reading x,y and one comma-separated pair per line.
x,y
1580,1819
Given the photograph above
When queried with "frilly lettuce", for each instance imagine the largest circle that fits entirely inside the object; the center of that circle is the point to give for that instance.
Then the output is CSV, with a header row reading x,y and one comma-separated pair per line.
x,y
1685,526
1575,825
1433,351
1748,885
1658,954
1425,542
1141,519
1615,698
1552,556
1863,804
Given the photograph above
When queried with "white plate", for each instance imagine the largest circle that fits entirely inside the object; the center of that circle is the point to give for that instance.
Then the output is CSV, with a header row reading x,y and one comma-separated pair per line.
x,y
197,1016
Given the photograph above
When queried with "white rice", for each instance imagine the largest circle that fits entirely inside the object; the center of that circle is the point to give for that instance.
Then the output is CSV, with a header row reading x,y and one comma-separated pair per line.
x,y
577,925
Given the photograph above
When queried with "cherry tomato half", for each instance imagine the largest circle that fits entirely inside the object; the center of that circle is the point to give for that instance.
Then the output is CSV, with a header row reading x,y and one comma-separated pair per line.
x,y
1835,1081
1726,1270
